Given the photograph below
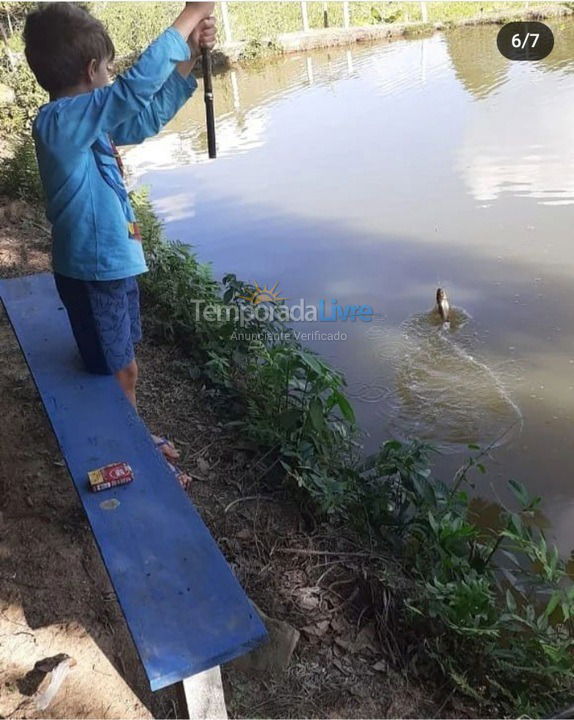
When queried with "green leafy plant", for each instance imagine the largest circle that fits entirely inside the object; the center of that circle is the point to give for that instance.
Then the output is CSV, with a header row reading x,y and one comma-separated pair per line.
x,y
19,176
287,398
495,606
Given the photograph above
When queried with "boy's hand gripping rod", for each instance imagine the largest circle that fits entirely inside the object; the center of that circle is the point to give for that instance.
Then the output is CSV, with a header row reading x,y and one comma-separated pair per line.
x,y
208,97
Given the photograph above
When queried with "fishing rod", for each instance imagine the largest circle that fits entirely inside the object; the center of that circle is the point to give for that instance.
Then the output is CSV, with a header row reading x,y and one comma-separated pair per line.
x,y
208,97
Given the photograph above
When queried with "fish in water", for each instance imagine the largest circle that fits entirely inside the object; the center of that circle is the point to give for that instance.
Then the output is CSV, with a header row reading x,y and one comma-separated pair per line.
x,y
442,305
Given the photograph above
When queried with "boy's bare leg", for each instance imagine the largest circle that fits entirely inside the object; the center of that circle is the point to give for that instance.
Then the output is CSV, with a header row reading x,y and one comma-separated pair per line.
x,y
166,447
127,378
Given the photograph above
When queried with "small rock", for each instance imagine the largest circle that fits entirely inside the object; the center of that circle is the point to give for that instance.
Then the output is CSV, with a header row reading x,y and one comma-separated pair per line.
x,y
318,629
276,654
367,639
202,465
244,534
7,95
307,597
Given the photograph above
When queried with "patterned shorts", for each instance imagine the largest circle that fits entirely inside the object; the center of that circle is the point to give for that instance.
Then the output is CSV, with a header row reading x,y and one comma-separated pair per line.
x,y
105,320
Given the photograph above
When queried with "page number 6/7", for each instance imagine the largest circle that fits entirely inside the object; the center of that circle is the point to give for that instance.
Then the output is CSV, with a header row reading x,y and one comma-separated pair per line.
x,y
525,41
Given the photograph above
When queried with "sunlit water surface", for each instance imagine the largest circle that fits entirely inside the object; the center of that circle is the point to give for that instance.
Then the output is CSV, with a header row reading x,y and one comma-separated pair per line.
x,y
373,176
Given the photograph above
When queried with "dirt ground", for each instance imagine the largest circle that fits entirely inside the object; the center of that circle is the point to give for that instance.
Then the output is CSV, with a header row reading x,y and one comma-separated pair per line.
x,y
55,596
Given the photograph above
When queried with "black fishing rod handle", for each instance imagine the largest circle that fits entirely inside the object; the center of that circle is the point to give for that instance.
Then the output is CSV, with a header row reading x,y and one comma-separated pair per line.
x,y
208,97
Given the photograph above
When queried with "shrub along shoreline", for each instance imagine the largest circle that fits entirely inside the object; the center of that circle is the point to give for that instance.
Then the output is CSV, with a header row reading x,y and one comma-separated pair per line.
x,y
492,609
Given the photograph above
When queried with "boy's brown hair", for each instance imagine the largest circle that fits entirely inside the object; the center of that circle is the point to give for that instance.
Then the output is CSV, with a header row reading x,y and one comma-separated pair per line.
x,y
61,39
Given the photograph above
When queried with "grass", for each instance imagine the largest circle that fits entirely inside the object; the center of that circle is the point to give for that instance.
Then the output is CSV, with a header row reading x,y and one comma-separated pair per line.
x,y
257,20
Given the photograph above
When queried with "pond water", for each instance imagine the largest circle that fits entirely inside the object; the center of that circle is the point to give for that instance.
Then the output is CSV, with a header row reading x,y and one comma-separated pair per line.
x,y
374,175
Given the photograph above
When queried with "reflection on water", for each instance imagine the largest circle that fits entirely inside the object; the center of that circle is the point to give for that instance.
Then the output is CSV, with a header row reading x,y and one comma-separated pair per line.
x,y
523,144
376,174
482,71
561,58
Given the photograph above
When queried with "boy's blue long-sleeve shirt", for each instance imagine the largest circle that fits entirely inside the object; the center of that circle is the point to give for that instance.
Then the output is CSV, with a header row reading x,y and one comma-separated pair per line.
x,y
93,232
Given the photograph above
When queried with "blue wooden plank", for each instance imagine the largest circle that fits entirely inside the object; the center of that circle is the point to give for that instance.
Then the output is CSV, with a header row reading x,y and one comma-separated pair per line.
x,y
183,605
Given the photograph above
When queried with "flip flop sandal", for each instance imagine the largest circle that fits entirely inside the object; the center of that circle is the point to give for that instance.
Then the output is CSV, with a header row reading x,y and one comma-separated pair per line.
x,y
160,442
178,475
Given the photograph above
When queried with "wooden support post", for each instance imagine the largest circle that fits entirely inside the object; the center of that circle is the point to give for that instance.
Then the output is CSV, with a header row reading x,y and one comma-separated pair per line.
x,y
305,16
346,15
201,696
325,15
226,23
424,12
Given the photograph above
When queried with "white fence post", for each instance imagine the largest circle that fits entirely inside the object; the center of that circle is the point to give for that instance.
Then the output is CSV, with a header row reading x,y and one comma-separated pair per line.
x,y
305,16
226,23
235,90
424,12
309,66
346,15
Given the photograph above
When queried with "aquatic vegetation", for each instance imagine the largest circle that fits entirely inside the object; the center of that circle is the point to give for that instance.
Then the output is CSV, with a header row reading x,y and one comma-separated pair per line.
x,y
491,610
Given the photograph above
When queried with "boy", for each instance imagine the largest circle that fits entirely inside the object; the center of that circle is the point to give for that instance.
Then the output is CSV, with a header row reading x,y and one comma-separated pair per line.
x,y
96,249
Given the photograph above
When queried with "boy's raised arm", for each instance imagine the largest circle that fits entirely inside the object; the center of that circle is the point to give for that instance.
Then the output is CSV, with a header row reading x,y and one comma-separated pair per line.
x,y
105,108
186,23
165,104
179,87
